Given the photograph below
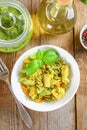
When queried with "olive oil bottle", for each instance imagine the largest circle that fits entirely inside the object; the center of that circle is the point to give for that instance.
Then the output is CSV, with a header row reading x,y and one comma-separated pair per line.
x,y
56,16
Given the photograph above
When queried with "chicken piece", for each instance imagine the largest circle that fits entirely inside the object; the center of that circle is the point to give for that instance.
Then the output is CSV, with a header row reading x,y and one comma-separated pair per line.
x,y
65,74
47,80
58,93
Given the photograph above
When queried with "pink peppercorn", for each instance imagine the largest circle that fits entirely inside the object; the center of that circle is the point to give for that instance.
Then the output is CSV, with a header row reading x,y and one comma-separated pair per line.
x,y
84,37
85,44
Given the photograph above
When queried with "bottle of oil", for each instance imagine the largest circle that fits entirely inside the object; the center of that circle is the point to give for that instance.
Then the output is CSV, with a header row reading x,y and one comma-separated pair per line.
x,y
56,16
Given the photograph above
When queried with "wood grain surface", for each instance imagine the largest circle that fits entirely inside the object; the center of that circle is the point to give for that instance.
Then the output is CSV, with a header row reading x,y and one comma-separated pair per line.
x,y
72,116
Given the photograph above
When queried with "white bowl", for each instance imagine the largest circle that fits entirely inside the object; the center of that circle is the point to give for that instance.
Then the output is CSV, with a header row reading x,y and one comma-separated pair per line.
x,y
81,32
45,107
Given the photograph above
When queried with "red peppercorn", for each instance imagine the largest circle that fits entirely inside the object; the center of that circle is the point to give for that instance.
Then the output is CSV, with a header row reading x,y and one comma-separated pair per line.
x,y
84,37
85,44
84,33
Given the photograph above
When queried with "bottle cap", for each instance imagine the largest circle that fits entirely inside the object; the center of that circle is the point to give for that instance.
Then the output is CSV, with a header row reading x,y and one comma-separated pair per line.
x,y
65,2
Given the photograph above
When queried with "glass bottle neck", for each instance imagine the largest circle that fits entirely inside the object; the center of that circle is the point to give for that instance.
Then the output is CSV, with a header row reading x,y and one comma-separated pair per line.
x,y
63,2
56,12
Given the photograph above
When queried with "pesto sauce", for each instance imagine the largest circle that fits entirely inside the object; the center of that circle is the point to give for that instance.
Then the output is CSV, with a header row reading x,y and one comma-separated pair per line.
x,y
10,30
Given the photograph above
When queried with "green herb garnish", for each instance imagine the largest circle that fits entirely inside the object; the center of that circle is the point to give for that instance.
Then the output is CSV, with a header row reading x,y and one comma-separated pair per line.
x,y
32,67
48,57
84,1
39,54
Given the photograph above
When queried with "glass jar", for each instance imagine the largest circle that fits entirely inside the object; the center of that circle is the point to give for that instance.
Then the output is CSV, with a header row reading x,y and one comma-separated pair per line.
x,y
16,26
56,17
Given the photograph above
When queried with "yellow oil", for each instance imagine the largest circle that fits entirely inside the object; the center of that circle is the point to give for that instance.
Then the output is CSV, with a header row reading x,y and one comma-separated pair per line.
x,y
55,19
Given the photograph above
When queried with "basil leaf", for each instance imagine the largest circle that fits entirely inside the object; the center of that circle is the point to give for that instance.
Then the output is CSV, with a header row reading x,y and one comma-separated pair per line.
x,y
32,67
39,54
50,56
84,1
40,62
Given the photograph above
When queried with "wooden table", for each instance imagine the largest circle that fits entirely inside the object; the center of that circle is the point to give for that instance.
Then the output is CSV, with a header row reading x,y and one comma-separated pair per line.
x,y
73,116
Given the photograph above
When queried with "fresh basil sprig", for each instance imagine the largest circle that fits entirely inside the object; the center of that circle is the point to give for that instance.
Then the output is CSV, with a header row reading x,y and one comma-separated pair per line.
x,y
48,57
39,54
84,1
32,67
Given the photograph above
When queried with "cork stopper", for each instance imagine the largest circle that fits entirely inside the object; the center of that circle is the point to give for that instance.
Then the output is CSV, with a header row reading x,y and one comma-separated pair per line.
x,y
65,2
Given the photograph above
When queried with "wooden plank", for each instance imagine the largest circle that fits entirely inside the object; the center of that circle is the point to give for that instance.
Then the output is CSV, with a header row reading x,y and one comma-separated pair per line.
x,y
60,119
81,57
64,118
